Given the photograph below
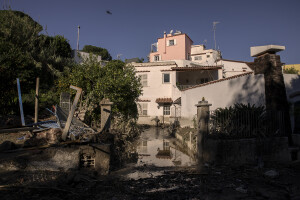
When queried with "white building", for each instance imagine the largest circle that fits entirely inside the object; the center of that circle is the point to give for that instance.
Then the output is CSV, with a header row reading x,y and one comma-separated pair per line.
x,y
180,74
80,56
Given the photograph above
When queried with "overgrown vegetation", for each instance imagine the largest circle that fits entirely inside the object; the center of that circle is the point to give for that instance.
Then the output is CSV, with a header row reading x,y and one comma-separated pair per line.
x,y
290,70
114,81
25,53
242,121
125,134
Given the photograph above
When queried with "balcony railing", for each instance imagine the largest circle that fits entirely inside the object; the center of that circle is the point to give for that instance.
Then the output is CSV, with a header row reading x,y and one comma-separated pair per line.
x,y
182,87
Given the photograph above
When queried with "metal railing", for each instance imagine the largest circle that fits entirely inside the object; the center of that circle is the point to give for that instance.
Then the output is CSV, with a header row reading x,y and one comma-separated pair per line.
x,y
182,87
246,124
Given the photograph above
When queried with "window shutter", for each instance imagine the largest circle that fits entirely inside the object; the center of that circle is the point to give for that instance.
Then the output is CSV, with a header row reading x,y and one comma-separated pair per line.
x,y
174,41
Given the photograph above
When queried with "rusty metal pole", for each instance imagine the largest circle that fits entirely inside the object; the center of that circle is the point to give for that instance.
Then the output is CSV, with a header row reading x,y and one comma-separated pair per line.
x,y
36,113
71,113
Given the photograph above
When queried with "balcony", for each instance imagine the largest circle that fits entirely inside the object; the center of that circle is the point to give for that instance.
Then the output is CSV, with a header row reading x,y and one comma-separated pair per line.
x,y
183,87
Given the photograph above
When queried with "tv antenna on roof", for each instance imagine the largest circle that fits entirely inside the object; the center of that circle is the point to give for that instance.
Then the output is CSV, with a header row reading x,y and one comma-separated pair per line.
x,y
119,56
205,42
78,38
214,28
6,4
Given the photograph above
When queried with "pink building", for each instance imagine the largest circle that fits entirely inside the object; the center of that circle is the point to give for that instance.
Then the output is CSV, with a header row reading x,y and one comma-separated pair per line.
x,y
176,69
171,47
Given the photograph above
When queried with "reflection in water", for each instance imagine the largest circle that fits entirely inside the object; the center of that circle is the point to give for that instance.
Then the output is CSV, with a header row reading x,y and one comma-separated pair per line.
x,y
155,148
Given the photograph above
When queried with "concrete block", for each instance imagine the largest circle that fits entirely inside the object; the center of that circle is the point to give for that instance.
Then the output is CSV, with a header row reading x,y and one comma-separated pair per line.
x,y
100,153
259,50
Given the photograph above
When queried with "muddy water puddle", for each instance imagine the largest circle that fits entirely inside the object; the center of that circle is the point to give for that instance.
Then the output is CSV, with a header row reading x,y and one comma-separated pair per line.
x,y
157,153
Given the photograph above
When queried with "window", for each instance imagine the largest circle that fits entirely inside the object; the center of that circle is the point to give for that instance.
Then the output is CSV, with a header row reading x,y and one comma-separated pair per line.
x,y
198,58
207,56
171,42
188,56
166,78
144,80
156,58
167,110
143,109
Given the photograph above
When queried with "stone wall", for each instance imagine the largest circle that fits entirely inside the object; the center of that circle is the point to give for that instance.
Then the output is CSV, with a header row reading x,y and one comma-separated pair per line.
x,y
246,151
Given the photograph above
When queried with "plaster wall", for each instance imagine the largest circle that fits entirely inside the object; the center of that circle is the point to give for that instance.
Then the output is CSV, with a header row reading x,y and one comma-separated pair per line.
x,y
157,89
232,68
292,86
245,89
197,49
208,56
179,50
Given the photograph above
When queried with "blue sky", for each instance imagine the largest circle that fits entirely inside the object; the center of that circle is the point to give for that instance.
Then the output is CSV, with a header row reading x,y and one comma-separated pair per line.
x,y
135,24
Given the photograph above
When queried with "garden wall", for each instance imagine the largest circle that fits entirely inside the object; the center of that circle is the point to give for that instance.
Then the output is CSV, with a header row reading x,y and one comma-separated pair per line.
x,y
246,151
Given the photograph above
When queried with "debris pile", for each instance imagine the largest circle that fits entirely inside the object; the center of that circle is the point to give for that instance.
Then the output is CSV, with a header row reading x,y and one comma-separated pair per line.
x,y
52,132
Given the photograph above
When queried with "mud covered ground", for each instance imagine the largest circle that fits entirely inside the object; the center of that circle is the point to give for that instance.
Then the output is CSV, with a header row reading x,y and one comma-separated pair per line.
x,y
151,182
270,182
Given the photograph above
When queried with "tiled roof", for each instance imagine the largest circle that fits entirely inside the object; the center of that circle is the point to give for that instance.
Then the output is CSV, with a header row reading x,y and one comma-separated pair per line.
x,y
164,100
143,100
142,71
151,64
196,68
220,80
234,61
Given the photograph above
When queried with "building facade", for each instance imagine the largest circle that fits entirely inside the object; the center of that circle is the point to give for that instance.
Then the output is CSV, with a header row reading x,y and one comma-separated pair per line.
x,y
176,65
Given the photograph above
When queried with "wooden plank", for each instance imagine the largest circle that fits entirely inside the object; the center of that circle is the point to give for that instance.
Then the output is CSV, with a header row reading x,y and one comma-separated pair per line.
x,y
14,130
71,113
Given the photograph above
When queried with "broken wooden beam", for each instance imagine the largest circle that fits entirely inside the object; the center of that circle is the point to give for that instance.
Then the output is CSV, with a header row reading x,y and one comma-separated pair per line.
x,y
71,113
36,113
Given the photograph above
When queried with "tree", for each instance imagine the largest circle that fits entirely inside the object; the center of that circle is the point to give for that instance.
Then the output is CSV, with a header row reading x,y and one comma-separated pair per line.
x,y
18,45
137,60
98,51
115,81
290,70
26,54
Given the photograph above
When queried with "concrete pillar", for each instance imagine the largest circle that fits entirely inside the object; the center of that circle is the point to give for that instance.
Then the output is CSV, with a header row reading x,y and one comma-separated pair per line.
x,y
105,114
220,74
203,119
